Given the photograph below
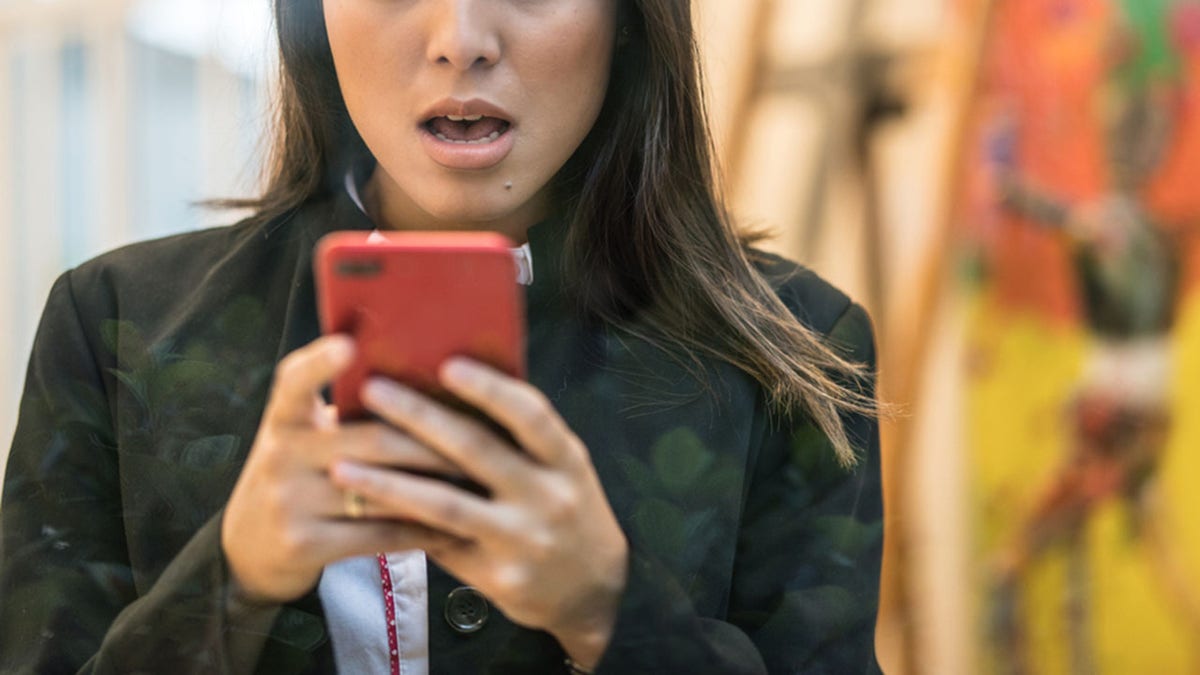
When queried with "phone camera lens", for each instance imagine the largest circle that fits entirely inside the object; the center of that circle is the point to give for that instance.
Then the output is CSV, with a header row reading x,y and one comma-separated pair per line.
x,y
359,268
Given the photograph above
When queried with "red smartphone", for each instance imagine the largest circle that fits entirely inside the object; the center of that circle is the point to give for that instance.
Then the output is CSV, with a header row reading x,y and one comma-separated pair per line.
x,y
413,299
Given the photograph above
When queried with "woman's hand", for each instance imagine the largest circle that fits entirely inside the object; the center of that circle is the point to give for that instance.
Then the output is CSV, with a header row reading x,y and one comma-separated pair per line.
x,y
285,520
546,547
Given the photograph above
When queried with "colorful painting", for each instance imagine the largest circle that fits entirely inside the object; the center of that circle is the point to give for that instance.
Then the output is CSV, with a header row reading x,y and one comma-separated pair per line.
x,y
1082,219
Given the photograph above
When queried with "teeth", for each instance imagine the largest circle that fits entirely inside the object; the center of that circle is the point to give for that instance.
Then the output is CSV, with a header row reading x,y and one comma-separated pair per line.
x,y
459,118
486,139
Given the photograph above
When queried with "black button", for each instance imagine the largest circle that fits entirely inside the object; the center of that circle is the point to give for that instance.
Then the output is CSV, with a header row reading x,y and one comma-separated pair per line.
x,y
466,609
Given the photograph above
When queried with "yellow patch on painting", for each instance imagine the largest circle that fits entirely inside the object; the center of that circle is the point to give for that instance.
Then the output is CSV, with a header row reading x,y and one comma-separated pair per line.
x,y
1021,372
1181,465
1143,604
1022,375
1133,629
1044,620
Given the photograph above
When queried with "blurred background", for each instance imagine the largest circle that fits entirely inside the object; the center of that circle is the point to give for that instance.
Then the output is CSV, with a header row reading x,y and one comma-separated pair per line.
x,y
1007,185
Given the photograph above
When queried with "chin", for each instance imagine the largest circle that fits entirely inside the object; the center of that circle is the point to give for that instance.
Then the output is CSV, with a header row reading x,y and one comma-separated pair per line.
x,y
470,210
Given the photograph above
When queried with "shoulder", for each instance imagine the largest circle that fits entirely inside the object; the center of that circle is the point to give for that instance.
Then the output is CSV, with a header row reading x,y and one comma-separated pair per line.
x,y
818,304
175,260
164,275
814,301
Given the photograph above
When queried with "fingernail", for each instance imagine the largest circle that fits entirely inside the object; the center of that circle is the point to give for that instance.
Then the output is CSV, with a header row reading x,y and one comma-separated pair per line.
x,y
341,347
374,389
381,390
458,370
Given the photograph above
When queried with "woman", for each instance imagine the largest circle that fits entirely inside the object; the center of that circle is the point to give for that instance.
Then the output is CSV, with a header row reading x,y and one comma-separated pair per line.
x,y
689,479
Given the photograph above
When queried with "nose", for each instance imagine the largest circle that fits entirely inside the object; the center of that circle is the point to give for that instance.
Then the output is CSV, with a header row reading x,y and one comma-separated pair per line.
x,y
464,34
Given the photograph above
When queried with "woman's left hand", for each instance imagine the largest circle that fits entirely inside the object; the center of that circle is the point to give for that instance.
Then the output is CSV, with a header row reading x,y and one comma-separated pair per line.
x,y
546,547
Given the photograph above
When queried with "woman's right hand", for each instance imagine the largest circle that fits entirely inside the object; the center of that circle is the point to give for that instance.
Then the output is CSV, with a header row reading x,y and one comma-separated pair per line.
x,y
285,520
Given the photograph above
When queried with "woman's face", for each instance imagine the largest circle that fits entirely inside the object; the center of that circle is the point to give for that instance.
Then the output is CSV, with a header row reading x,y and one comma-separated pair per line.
x,y
470,106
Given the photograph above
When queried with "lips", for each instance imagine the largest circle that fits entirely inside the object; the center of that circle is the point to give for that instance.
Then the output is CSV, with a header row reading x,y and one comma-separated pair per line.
x,y
468,135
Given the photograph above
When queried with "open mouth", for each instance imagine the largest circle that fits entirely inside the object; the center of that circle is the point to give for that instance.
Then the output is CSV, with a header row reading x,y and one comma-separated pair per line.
x,y
468,130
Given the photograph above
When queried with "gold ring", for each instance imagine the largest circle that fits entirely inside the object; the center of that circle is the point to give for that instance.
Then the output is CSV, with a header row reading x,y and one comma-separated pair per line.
x,y
355,504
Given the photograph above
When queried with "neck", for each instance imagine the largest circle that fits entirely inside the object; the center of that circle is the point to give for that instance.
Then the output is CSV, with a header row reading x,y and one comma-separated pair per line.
x,y
391,209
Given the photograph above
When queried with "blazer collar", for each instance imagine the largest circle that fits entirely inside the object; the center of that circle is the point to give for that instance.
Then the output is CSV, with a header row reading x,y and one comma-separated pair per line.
x,y
339,212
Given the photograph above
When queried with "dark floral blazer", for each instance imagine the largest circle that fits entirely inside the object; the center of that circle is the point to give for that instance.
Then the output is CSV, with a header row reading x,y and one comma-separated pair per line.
x,y
752,551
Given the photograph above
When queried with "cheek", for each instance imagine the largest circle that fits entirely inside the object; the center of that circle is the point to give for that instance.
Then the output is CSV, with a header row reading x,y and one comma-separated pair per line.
x,y
367,58
573,45
347,27
348,44
566,75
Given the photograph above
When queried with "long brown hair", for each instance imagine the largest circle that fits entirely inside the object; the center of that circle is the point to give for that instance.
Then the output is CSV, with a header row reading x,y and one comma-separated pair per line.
x,y
645,226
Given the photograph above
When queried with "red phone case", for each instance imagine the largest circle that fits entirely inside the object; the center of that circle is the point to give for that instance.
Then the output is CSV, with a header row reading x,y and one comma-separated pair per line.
x,y
413,299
